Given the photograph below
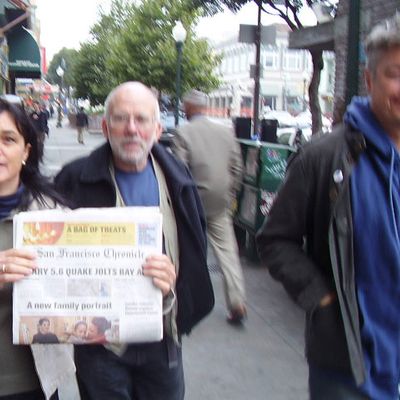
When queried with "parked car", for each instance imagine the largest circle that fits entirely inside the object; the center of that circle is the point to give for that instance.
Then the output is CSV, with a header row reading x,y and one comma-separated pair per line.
x,y
168,121
303,120
284,118
288,126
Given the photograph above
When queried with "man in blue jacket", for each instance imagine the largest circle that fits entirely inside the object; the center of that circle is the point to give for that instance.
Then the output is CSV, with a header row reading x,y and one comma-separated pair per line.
x,y
332,237
131,169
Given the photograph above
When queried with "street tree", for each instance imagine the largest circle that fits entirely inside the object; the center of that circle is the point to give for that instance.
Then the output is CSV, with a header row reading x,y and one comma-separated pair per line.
x,y
65,58
134,42
92,75
288,10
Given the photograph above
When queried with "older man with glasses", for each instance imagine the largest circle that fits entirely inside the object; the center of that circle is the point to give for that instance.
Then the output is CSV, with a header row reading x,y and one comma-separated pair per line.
x,y
131,169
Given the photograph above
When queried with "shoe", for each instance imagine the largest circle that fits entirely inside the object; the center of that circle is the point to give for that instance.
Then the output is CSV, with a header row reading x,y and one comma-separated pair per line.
x,y
237,316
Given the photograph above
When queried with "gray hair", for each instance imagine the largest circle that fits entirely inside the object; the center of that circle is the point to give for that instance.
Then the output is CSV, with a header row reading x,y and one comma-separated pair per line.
x,y
196,98
109,99
382,37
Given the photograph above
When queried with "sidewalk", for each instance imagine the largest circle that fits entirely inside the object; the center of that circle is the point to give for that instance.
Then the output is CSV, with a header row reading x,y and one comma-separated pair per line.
x,y
262,361
62,146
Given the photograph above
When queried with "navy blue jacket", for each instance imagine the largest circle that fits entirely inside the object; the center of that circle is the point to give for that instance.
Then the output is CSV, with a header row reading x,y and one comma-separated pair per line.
x,y
87,182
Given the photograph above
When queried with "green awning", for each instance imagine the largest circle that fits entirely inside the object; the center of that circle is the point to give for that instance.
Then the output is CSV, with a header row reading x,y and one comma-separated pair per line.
x,y
23,54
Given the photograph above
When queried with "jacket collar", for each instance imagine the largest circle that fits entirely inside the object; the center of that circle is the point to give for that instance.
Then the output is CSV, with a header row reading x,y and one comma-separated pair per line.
x,y
356,142
96,167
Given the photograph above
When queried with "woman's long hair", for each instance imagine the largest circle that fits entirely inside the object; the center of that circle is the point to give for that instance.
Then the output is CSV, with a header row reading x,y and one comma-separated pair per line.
x,y
38,186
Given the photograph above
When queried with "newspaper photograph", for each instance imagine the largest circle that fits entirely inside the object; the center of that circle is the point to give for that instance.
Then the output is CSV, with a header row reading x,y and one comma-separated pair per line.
x,y
89,286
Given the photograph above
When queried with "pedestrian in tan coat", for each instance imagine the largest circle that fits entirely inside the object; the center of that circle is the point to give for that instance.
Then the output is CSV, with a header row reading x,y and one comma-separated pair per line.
x,y
211,152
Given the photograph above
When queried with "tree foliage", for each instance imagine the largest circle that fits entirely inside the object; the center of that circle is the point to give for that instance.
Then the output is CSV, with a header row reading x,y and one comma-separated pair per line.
x,y
69,56
134,42
93,76
288,10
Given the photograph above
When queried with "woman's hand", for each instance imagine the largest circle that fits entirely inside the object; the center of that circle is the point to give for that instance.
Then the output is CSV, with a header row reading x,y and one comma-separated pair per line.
x,y
161,269
15,264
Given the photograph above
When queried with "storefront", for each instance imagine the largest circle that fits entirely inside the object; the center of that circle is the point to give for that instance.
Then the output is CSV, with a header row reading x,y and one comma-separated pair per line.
x,y
24,59
3,65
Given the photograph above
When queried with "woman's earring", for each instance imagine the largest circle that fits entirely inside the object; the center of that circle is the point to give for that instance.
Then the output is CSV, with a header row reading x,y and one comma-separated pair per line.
x,y
23,162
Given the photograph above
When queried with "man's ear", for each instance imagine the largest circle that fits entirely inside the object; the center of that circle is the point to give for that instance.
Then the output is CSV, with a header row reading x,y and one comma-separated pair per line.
x,y
159,130
368,79
104,127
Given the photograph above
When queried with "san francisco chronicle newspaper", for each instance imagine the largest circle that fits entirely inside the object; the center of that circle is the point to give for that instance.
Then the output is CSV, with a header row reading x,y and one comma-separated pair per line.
x,y
89,286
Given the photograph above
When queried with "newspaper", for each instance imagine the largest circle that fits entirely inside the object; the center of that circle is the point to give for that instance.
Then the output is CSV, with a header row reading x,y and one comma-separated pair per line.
x,y
89,286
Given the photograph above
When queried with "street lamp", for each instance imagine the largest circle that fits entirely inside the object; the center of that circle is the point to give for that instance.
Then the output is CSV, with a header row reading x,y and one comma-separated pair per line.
x,y
60,73
305,78
179,35
284,92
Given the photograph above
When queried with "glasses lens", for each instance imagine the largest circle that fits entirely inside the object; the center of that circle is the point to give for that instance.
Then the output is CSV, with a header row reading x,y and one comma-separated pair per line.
x,y
121,120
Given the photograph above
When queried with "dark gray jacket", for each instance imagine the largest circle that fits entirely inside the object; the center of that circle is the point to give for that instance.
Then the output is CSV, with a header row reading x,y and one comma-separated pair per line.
x,y
307,244
87,182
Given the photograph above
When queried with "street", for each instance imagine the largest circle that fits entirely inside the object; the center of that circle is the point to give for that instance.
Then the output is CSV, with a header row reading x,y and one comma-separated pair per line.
x,y
262,360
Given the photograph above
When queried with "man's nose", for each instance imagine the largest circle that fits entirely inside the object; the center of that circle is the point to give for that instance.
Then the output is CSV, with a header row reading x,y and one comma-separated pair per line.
x,y
131,125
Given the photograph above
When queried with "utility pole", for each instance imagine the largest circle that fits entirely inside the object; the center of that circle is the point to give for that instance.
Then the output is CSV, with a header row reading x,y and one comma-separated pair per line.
x,y
256,100
353,39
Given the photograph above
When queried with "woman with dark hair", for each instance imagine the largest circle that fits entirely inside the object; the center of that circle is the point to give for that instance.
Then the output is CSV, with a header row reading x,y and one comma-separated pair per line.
x,y
97,330
22,188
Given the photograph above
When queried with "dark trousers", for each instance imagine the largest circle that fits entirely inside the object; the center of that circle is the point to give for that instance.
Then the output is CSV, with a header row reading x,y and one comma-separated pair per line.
x,y
150,371
34,395
327,385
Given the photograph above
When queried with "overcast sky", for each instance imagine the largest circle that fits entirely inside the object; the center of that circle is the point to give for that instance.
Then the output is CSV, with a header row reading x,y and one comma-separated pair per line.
x,y
66,23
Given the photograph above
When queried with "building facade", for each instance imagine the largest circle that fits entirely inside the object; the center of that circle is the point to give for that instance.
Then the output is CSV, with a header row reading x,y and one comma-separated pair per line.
x,y
20,56
285,76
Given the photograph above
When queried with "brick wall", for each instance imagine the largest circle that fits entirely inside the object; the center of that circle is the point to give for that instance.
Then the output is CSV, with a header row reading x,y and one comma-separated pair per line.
x,y
372,12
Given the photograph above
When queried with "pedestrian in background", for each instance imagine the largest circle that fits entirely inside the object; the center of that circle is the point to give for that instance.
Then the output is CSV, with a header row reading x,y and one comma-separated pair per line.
x,y
39,121
213,155
22,188
82,122
332,237
51,110
44,115
131,169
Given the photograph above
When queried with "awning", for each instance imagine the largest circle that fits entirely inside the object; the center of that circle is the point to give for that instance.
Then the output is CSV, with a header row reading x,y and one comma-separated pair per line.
x,y
24,54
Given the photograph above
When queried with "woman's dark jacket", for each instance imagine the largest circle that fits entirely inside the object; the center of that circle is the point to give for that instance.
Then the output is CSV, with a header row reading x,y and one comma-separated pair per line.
x,y
87,182
307,244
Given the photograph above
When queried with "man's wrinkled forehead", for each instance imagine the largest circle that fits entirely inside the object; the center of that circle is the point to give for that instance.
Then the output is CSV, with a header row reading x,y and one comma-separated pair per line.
x,y
127,98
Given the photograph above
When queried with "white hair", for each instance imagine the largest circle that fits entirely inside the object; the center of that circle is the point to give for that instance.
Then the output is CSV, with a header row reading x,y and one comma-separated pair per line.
x,y
109,99
196,98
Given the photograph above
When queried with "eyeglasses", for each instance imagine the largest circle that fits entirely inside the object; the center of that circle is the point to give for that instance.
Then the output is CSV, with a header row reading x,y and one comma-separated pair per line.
x,y
121,120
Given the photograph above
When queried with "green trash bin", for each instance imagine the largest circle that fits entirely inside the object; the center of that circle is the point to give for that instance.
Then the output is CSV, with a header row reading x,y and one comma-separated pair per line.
x,y
264,170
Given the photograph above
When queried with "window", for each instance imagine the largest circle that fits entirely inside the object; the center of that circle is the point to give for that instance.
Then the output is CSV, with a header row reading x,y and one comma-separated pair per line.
x,y
271,59
269,101
292,60
236,64
223,65
243,59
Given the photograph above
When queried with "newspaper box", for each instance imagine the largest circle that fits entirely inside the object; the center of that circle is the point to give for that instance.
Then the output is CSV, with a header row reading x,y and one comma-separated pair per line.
x,y
264,170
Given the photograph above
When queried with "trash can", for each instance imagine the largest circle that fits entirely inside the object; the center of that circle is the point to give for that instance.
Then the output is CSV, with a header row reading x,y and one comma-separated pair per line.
x,y
242,127
264,171
269,128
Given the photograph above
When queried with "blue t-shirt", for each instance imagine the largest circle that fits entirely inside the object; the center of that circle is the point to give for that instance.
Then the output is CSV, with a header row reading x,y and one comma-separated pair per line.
x,y
139,188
